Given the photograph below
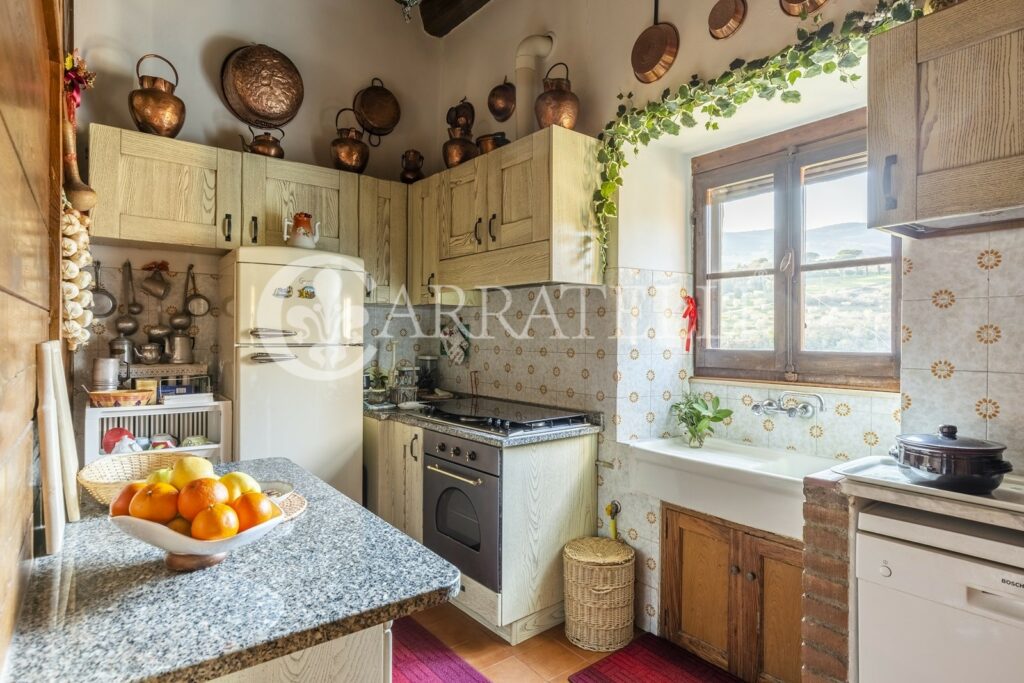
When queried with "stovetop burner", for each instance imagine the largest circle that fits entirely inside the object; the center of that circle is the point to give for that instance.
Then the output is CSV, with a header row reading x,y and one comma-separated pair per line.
x,y
506,418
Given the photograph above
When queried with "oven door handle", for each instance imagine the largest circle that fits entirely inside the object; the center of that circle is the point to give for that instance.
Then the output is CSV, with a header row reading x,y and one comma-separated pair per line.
x,y
464,480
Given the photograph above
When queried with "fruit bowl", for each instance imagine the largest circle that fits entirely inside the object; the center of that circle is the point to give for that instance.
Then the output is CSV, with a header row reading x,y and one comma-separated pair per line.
x,y
185,552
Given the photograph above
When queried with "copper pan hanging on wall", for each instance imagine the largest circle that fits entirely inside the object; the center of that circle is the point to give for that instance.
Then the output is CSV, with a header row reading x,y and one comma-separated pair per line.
x,y
261,86
655,50
377,110
726,17
797,7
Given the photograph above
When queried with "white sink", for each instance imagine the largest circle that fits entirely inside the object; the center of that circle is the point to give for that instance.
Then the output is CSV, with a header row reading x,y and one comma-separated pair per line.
x,y
753,486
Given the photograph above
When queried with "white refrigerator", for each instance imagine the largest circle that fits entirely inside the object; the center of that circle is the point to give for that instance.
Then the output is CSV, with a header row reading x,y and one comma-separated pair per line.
x,y
291,359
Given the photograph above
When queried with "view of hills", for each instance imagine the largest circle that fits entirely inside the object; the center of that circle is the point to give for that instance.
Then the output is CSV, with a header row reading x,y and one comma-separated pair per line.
x,y
743,248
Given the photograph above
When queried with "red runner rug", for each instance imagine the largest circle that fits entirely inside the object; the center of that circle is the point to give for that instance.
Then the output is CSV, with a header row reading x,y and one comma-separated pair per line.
x,y
419,657
652,660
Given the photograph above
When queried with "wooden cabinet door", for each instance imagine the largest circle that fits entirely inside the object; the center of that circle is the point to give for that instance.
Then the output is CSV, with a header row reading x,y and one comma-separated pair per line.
x,y
518,186
274,190
161,190
414,484
463,209
770,612
423,239
383,220
701,564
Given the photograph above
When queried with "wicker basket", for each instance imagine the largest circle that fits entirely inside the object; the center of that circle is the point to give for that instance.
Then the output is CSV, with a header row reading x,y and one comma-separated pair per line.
x,y
599,578
105,478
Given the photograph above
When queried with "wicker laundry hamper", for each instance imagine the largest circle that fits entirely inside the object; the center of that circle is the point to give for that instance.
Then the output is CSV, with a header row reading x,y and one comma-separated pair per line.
x,y
599,578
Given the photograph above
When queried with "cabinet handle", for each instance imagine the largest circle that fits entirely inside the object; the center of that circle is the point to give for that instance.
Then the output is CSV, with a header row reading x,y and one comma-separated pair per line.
x,y
412,451
255,229
734,570
430,291
476,230
490,227
227,227
751,576
890,199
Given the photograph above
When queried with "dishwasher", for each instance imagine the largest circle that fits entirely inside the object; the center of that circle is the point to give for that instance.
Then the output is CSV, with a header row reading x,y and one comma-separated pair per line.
x,y
939,599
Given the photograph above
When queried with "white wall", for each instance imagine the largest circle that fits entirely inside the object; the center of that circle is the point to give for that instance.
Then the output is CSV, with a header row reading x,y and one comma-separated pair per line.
x,y
337,45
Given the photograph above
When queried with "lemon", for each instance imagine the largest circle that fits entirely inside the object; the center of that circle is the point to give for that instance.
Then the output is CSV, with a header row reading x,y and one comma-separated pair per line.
x,y
238,483
160,476
191,467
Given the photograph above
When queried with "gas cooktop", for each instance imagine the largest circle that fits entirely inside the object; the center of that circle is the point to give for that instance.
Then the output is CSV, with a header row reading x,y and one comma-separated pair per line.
x,y
506,418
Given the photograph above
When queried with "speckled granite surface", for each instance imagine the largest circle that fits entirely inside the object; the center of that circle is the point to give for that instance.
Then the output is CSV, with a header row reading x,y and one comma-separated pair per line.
x,y
413,418
107,609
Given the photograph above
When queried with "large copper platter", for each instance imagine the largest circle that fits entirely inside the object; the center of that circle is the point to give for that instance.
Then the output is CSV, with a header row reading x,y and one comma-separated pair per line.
x,y
261,86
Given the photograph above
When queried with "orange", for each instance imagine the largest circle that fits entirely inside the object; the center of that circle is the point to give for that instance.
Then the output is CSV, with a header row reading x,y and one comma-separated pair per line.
x,y
155,502
199,494
119,506
214,523
181,525
253,509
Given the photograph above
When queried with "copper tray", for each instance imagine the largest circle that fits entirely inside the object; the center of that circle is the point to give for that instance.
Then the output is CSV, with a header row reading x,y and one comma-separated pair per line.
x,y
726,17
796,7
261,86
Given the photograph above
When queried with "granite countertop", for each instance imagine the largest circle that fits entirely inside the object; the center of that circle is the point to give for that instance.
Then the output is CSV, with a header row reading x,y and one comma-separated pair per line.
x,y
108,609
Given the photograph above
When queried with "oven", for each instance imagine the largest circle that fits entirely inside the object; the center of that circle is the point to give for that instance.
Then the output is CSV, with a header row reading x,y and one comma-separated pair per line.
x,y
462,505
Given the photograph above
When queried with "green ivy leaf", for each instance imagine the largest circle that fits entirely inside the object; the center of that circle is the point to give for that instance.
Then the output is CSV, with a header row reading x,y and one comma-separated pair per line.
x,y
903,11
849,61
610,209
608,188
802,34
687,120
855,77
793,75
829,67
791,97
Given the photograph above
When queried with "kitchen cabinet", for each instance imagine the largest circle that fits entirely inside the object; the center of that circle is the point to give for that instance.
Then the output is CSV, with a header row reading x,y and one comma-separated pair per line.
x,y
521,214
159,190
732,595
393,462
274,190
945,120
423,239
383,221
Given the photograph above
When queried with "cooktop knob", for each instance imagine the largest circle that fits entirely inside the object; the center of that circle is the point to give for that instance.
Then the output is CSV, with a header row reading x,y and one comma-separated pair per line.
x,y
456,451
471,455
441,447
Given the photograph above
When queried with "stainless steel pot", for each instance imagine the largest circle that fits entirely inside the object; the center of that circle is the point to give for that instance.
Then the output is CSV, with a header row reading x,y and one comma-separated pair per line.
x,y
946,461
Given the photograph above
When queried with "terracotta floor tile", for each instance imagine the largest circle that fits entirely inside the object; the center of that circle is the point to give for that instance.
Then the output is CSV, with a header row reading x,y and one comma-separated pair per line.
x,y
434,614
550,658
482,649
452,629
511,670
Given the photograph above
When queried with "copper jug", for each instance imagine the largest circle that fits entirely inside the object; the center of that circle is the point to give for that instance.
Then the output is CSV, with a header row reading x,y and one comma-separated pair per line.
x,y
349,151
264,143
459,147
502,101
412,166
462,115
558,104
154,107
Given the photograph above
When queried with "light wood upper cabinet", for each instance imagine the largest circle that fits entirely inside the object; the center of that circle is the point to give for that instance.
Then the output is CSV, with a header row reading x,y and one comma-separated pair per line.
x,y
154,189
383,216
423,239
946,120
732,595
274,190
522,214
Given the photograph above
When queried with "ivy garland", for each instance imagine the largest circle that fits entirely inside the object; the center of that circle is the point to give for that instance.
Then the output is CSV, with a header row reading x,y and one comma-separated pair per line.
x,y
821,51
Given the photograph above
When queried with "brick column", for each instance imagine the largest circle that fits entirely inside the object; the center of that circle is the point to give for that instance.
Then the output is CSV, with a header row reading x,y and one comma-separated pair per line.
x,y
826,581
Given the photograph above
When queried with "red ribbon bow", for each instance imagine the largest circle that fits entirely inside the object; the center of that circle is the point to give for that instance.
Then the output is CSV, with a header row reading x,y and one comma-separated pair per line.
x,y
690,315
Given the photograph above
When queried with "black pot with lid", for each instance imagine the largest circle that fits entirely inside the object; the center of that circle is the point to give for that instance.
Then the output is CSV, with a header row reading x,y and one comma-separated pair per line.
x,y
948,461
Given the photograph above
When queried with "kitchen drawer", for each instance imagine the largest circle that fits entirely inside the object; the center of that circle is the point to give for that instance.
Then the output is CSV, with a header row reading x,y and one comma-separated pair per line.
x,y
480,600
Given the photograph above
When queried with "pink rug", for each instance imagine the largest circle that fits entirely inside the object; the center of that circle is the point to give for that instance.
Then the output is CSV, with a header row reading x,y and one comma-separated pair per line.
x,y
652,660
419,657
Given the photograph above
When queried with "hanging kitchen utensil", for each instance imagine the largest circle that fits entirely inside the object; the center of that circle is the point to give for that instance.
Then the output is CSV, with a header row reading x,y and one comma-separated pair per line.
x,y
126,324
155,285
558,104
377,110
264,143
261,86
412,166
726,17
462,115
797,7
157,333
655,50
196,304
502,101
103,302
349,151
154,107
180,319
458,148
134,307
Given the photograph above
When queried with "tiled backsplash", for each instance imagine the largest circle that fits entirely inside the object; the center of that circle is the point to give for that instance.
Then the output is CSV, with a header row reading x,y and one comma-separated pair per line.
x,y
963,336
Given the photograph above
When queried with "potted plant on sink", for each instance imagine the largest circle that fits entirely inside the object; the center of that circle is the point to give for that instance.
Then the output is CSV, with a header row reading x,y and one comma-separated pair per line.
x,y
698,415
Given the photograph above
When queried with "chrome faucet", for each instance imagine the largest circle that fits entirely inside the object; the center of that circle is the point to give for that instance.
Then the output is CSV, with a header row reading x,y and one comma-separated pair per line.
x,y
789,405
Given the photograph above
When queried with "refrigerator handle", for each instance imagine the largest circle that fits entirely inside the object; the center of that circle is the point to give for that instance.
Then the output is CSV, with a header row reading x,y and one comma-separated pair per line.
x,y
261,332
272,357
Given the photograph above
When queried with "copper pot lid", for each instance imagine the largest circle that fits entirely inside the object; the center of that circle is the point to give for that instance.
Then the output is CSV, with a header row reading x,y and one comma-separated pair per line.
x,y
261,86
797,7
726,17
655,50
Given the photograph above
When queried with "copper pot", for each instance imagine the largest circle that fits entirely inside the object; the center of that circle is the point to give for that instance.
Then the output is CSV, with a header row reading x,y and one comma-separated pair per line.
x,y
412,166
264,143
348,150
377,110
491,142
502,101
558,104
261,86
459,148
154,107
462,115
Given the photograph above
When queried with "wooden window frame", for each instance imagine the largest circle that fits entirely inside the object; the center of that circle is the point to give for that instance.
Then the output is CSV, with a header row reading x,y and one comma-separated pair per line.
x,y
784,156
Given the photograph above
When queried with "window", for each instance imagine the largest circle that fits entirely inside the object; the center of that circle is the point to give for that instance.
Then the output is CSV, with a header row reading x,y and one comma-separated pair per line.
x,y
792,284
